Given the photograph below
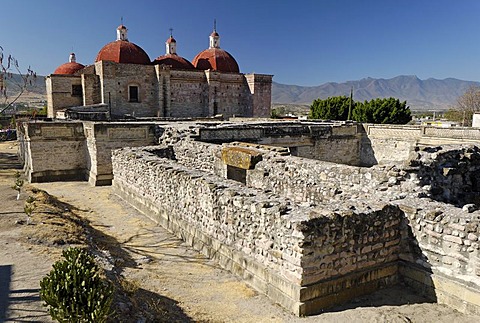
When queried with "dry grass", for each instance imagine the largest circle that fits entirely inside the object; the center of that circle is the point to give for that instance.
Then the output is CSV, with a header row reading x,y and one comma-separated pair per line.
x,y
52,222
55,225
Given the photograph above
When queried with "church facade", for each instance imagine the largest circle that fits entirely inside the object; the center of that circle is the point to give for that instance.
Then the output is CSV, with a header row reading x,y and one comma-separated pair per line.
x,y
124,81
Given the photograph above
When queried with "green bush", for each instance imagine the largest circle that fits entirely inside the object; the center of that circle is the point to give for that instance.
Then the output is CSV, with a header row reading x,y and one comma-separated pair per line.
x,y
74,291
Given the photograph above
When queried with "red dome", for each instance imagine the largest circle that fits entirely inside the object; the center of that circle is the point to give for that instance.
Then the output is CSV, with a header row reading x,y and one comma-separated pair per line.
x,y
174,61
123,51
216,59
171,40
68,68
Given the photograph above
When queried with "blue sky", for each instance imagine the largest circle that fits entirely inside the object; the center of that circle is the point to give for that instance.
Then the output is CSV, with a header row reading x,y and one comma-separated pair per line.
x,y
307,42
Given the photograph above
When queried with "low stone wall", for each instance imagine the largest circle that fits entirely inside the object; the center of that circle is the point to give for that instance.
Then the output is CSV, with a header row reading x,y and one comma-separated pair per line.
x,y
103,137
59,151
294,234
446,263
384,144
305,258
53,151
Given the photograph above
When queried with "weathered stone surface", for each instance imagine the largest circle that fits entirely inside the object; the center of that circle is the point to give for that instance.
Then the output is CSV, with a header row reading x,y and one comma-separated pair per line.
x,y
240,157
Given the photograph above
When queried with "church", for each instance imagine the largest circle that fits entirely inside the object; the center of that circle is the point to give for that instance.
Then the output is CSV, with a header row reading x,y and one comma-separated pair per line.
x,y
125,82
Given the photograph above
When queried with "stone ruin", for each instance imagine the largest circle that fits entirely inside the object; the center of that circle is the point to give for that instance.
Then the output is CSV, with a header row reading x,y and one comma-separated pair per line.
x,y
310,214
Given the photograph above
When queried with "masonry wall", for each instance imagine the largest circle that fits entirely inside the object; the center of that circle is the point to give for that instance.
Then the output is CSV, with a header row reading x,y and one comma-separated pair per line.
x,y
383,144
59,93
116,79
53,151
303,257
319,141
260,86
436,244
187,94
91,89
102,138
441,257
57,151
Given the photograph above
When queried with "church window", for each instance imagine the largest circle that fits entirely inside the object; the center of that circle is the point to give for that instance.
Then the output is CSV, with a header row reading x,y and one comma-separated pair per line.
x,y
77,90
133,93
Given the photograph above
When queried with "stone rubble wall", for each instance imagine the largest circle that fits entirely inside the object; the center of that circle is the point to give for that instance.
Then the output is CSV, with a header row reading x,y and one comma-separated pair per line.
x,y
303,257
435,244
449,174
310,234
441,256
386,144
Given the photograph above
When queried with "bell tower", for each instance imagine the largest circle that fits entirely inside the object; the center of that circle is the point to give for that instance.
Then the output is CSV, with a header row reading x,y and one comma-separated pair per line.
x,y
214,36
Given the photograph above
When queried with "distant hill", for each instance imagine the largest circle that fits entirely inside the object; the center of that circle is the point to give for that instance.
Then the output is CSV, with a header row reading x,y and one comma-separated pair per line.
x,y
430,94
37,85
35,93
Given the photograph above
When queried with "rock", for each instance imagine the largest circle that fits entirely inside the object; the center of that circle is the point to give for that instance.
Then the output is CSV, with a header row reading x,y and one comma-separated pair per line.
x,y
469,208
392,181
144,260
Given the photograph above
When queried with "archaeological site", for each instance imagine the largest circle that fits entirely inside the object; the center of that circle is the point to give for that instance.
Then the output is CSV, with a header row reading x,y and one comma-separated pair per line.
x,y
310,213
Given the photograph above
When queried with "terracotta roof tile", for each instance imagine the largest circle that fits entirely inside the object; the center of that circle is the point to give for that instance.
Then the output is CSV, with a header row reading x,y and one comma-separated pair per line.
x,y
123,51
216,59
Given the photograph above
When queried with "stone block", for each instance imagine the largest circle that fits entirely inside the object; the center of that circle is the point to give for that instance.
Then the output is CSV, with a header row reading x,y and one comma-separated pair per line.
x,y
240,157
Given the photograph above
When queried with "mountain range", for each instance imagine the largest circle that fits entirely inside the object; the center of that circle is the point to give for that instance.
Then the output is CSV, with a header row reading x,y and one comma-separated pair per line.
x,y
429,94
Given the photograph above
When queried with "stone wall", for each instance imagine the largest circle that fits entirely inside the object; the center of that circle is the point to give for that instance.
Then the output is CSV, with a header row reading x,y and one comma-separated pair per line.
x,y
384,144
441,258
260,86
187,94
116,80
91,89
102,138
310,234
357,229
53,151
306,258
59,93
449,174
338,143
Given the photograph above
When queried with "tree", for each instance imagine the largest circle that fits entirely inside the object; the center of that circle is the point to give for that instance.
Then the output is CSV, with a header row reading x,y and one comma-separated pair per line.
x,y
333,108
454,114
8,66
467,104
388,111
384,111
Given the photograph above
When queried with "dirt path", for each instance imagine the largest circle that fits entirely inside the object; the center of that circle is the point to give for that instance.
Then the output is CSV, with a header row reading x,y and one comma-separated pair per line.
x,y
175,276
21,268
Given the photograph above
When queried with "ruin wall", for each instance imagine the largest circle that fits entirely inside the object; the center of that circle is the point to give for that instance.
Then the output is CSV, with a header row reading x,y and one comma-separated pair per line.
x,y
102,138
58,151
53,151
305,258
441,256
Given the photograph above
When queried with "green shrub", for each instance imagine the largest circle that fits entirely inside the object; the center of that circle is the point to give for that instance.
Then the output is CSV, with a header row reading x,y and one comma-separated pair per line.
x,y
74,291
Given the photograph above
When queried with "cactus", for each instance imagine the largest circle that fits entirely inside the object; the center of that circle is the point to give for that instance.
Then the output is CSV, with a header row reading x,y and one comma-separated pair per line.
x,y
74,291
